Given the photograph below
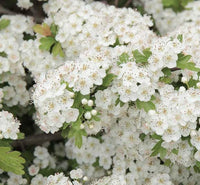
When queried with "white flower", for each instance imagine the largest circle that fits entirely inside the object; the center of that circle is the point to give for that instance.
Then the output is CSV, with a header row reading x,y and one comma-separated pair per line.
x,y
76,174
24,4
58,179
33,170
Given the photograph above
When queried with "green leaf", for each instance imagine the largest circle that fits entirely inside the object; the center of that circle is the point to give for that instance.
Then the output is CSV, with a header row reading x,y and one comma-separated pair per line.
x,y
142,58
5,142
71,133
167,162
154,153
117,43
123,58
4,23
185,2
65,125
142,136
175,5
78,136
145,105
147,53
46,43
167,3
166,80
192,83
77,100
96,118
54,29
175,151
180,38
3,54
78,140
157,145
11,161
64,133
198,164
108,79
76,125
162,152
57,50
118,101
183,63
20,135
166,71
155,136
158,149
196,169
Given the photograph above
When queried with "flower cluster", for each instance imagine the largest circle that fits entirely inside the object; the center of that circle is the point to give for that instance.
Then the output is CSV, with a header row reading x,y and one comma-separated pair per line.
x,y
126,100
9,127
166,19
90,24
146,103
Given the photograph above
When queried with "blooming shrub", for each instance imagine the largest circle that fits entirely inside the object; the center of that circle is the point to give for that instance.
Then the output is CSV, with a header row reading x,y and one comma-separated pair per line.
x,y
125,99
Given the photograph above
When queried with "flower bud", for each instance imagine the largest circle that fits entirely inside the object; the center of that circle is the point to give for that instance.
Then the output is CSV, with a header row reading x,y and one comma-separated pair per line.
x,y
71,94
152,112
85,178
91,126
84,101
88,115
90,103
82,126
184,80
94,112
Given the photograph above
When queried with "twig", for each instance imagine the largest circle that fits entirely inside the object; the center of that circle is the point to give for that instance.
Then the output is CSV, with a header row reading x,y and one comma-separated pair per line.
x,y
37,15
37,139
116,3
6,11
128,3
175,69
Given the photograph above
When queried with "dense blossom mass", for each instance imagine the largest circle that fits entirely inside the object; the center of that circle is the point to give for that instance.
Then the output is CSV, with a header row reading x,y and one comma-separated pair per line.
x,y
125,99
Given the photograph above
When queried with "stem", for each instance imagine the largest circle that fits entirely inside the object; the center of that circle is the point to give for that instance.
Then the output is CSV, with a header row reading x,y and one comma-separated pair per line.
x,y
128,3
37,139
6,11
116,3
175,69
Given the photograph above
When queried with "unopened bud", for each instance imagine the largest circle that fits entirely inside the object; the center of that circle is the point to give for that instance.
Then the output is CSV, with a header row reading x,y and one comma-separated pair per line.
x,y
84,101
184,80
85,178
90,103
88,115
82,126
94,112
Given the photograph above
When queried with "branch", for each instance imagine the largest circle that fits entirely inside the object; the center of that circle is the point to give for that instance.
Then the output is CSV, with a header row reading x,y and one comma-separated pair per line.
x,y
37,15
128,3
6,11
37,139
116,3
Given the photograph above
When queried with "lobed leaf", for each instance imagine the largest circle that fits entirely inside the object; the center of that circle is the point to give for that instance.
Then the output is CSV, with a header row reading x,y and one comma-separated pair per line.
x,y
142,57
46,43
57,50
145,105
42,29
11,161
183,63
